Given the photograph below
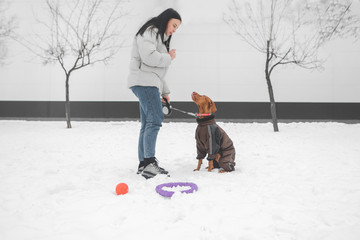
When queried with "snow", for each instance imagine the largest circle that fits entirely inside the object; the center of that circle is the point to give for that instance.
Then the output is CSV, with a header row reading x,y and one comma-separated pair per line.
x,y
57,183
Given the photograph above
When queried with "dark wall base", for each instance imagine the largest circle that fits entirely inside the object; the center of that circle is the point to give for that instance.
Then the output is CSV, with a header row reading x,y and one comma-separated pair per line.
x,y
226,110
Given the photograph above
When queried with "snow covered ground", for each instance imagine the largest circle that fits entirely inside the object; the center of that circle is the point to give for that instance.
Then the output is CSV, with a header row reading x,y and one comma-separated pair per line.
x,y
57,183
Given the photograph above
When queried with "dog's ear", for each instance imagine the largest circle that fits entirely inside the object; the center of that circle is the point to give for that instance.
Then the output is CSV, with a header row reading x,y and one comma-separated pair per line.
x,y
212,106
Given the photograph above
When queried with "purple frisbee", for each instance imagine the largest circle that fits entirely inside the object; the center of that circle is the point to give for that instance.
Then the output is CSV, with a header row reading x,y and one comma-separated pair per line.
x,y
159,190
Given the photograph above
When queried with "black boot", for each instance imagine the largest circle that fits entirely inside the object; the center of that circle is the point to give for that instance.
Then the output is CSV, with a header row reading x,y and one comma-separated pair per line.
x,y
141,167
151,168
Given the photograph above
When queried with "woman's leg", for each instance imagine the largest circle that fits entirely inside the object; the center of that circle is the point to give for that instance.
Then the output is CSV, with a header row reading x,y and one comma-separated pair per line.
x,y
154,119
141,135
151,119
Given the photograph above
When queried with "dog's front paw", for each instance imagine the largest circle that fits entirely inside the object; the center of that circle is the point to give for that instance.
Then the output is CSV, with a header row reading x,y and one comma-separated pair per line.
x,y
199,165
211,165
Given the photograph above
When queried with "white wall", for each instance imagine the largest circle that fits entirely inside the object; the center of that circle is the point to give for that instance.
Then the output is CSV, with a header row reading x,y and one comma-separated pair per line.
x,y
210,60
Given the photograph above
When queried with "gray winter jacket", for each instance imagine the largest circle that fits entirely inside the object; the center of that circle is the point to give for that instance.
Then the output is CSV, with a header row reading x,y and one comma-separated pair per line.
x,y
149,62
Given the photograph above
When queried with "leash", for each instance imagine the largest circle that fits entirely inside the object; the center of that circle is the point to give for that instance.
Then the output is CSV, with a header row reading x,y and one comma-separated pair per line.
x,y
167,110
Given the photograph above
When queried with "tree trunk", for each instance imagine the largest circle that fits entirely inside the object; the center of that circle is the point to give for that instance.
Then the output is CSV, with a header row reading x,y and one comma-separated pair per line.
x,y
67,102
272,104
270,89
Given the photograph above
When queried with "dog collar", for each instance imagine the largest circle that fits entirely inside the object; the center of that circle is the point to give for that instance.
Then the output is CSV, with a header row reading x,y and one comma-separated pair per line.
x,y
208,117
203,114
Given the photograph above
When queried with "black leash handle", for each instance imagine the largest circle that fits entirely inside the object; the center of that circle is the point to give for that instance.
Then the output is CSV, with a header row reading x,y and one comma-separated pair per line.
x,y
166,107
167,102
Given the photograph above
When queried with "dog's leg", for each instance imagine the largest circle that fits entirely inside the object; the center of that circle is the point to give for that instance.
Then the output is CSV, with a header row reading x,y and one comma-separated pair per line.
x,y
218,157
199,165
229,168
211,162
211,165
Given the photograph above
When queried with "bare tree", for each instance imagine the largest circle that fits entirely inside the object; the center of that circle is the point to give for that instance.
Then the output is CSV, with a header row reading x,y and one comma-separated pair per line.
x,y
79,33
290,31
7,25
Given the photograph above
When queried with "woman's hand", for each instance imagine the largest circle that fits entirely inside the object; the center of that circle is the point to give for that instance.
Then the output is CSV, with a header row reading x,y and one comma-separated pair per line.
x,y
166,97
172,53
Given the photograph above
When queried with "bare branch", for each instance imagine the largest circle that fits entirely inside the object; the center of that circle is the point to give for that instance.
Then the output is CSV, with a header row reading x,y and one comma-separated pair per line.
x,y
80,33
280,62
7,26
296,25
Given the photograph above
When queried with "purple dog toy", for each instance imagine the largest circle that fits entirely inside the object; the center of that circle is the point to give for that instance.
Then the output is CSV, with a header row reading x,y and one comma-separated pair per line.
x,y
159,190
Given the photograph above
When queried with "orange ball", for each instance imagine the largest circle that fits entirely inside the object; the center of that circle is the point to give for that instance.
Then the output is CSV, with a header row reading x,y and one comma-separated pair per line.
x,y
122,188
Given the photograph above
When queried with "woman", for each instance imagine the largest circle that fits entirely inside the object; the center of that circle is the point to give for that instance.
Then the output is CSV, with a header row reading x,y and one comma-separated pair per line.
x,y
150,58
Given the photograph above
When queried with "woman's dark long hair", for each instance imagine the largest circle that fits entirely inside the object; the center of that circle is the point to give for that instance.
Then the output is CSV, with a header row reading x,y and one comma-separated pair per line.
x,y
160,22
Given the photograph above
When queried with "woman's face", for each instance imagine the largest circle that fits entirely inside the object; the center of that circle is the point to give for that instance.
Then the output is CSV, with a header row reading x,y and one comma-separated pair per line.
x,y
172,26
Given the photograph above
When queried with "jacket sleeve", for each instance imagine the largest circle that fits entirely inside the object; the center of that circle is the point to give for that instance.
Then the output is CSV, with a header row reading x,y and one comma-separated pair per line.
x,y
201,152
165,89
148,52
215,138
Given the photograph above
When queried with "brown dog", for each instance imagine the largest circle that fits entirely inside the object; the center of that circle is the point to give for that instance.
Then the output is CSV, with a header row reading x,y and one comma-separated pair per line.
x,y
211,139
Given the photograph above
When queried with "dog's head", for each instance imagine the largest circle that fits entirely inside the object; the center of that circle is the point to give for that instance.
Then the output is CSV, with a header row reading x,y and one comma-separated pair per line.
x,y
205,104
